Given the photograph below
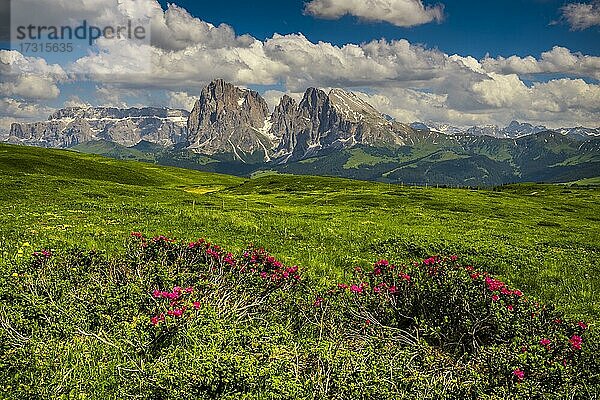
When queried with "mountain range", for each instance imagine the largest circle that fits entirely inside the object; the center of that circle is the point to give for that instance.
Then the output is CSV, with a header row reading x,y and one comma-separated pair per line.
x,y
514,130
232,130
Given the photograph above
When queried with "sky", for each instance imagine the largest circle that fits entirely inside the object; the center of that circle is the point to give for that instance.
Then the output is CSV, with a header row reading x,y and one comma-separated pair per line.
x,y
457,62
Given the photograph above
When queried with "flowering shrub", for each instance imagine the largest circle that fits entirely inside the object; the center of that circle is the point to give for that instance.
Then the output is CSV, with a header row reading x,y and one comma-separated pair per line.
x,y
459,309
177,320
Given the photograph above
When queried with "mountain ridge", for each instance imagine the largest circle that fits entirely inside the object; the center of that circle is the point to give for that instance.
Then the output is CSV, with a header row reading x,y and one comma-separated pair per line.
x,y
232,130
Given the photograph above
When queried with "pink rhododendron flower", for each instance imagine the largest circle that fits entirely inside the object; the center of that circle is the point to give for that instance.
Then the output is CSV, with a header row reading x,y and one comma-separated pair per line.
x,y
576,342
429,261
493,284
495,297
545,342
178,312
519,374
356,289
156,294
196,305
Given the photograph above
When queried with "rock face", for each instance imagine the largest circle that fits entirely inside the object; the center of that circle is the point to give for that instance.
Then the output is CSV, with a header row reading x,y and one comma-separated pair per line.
x,y
331,121
227,119
71,126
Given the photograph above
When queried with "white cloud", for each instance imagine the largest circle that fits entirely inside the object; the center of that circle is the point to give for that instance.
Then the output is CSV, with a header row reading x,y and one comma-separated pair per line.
x,y
558,60
408,81
181,100
29,77
405,13
581,16
13,110
176,29
76,102
30,87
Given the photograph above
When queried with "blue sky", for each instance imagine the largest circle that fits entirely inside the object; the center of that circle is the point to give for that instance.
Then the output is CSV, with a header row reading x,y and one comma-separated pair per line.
x,y
450,61
501,27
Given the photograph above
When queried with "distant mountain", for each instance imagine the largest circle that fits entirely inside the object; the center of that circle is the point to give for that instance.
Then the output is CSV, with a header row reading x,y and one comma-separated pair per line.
x,y
71,126
227,120
231,130
579,132
514,130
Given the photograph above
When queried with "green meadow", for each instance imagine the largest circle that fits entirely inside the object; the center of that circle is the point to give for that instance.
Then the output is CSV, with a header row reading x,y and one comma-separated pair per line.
x,y
543,239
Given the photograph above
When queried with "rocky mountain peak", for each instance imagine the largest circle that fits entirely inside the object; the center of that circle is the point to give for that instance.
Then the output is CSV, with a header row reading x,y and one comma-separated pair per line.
x,y
228,118
351,106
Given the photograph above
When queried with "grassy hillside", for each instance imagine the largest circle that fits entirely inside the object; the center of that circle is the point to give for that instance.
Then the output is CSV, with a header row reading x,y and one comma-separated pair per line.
x,y
544,239
97,312
430,159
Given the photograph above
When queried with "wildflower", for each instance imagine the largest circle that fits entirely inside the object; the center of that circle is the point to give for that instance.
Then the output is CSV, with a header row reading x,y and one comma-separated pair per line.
x,y
493,284
453,258
368,322
510,307
157,319
342,286
582,325
196,305
156,294
178,312
469,268
576,341
406,277
189,290
524,349
393,289
318,302
495,297
517,293
475,275
136,235
519,374
429,261
264,275
545,342
558,321
377,271
356,289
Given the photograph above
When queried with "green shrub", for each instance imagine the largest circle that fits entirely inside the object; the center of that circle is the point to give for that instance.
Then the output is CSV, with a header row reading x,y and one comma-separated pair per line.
x,y
172,320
